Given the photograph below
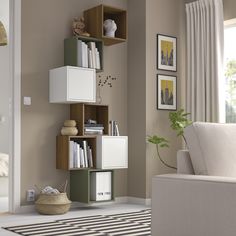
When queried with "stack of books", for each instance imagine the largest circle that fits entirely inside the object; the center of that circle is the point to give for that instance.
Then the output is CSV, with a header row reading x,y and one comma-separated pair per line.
x,y
80,155
93,129
88,55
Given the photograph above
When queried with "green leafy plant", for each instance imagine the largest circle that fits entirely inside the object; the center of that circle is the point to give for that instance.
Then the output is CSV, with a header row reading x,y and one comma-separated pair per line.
x,y
160,142
179,122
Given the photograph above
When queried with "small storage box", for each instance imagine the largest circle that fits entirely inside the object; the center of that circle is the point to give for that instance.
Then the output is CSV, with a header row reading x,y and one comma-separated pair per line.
x,y
101,186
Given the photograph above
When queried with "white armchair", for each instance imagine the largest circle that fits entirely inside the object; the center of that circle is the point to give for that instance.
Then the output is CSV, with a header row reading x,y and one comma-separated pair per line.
x,y
187,204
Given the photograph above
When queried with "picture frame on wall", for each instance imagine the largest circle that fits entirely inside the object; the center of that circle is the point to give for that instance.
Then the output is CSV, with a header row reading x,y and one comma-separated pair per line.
x,y
166,52
166,92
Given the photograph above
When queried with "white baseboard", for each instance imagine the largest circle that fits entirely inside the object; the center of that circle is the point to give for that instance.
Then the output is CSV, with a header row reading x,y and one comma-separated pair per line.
x,y
140,201
134,200
118,200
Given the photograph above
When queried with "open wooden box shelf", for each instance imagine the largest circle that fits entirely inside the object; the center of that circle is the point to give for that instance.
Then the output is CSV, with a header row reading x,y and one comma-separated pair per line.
x,y
82,112
63,150
95,17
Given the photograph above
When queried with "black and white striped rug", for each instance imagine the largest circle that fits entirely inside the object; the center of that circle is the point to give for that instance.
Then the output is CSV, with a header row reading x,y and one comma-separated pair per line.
x,y
134,223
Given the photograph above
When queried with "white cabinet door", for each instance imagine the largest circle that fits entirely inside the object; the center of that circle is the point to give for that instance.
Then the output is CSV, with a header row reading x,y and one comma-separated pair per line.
x,y
112,152
81,85
70,84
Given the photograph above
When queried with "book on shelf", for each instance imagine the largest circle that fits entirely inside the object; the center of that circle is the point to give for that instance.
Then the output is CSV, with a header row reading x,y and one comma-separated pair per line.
x,y
93,125
93,132
84,54
90,157
71,154
93,129
79,53
82,164
85,147
77,157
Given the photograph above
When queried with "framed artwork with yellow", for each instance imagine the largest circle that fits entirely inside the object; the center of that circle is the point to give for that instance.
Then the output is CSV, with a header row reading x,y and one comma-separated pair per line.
x,y
166,52
166,92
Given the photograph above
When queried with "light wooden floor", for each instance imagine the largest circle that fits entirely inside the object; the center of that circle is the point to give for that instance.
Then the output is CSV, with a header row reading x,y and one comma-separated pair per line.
x,y
30,218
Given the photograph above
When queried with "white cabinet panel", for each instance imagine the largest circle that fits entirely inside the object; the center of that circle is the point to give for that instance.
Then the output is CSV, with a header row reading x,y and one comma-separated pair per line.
x,y
112,152
70,84
101,186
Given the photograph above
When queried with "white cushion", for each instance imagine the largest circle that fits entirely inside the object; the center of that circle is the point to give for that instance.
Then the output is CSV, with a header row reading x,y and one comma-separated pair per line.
x,y
212,148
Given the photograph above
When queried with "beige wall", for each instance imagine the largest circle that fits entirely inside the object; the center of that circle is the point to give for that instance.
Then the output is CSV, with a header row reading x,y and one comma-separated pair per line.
x,y
45,24
146,19
137,98
169,20
229,9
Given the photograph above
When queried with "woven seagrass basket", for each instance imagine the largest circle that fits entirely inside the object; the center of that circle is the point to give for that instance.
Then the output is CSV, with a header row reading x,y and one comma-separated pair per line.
x,y
52,204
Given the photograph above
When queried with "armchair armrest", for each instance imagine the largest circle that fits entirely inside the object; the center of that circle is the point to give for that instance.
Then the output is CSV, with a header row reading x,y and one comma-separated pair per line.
x,y
184,205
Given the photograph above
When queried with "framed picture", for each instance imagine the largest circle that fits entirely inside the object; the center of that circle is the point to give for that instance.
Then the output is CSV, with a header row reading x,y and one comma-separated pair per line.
x,y
166,92
166,52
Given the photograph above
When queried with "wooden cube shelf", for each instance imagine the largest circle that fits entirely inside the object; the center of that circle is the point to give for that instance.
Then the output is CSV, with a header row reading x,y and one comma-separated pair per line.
x,y
63,150
80,184
82,112
95,17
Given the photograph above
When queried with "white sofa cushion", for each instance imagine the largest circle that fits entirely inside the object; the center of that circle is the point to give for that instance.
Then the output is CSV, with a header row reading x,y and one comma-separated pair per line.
x,y
212,148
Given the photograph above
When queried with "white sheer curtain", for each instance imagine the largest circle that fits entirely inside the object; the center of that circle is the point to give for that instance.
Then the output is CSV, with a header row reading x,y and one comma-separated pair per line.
x,y
205,40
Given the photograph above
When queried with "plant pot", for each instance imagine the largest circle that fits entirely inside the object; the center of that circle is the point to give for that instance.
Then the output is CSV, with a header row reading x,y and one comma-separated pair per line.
x,y
53,204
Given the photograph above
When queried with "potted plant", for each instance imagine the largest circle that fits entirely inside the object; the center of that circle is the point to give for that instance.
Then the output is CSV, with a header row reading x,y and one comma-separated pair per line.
x,y
179,121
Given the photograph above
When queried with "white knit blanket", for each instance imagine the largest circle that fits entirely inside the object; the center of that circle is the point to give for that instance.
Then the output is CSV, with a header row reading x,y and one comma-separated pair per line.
x,y
4,164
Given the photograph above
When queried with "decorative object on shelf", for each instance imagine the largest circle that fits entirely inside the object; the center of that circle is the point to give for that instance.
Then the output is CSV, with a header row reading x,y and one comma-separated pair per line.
x,y
166,52
110,27
3,35
114,130
69,128
166,92
52,202
78,27
104,81
70,123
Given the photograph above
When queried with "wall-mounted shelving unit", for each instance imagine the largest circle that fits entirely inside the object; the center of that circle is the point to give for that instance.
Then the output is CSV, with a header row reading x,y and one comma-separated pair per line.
x,y
94,18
